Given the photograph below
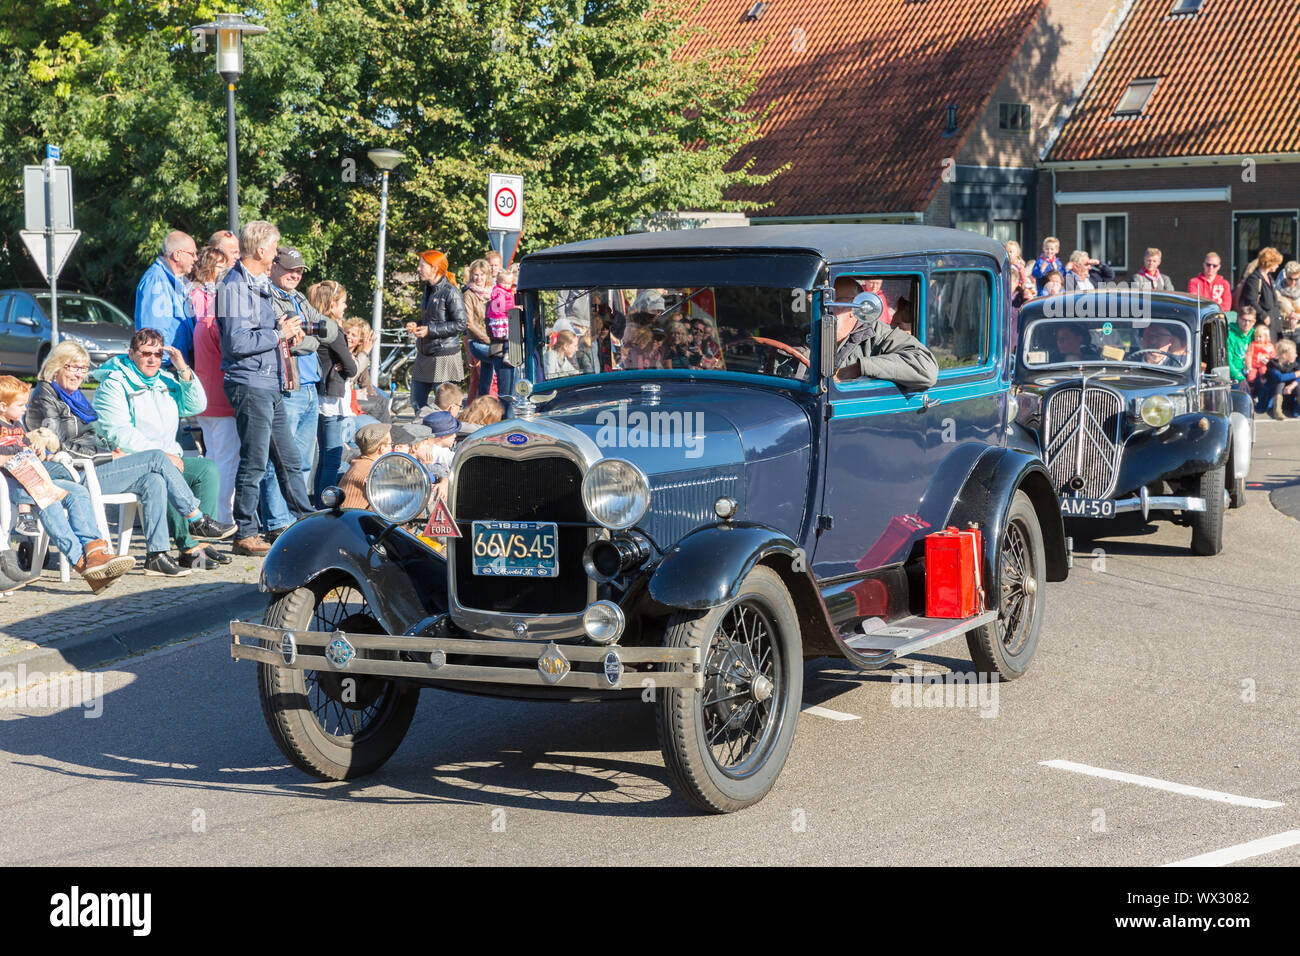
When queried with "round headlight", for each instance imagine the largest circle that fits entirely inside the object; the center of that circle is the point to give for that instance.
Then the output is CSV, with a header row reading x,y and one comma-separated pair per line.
x,y
616,493
398,487
603,622
1157,411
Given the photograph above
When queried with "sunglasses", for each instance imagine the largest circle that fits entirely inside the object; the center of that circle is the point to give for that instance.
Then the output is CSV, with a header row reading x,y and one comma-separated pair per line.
x,y
1210,265
150,354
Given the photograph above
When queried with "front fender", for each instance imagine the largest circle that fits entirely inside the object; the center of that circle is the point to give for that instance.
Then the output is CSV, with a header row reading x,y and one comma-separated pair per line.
x,y
404,585
705,568
1180,449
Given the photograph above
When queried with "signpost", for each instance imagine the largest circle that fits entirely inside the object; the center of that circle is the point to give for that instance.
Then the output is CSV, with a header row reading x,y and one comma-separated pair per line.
x,y
505,212
49,236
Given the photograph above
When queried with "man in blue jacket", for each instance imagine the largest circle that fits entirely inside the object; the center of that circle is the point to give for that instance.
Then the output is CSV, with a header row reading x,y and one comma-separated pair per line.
x,y
259,374
162,298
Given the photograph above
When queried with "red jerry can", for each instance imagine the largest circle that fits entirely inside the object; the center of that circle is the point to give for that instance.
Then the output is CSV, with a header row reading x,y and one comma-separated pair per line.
x,y
953,587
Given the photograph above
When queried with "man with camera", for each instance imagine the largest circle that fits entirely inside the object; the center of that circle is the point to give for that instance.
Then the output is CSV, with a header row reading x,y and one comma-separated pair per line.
x,y
260,373
303,403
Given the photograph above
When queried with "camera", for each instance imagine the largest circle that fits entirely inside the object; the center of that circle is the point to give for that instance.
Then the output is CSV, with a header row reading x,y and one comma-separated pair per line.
x,y
318,328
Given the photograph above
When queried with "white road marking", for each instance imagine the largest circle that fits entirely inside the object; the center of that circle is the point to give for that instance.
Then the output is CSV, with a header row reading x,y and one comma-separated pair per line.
x,y
829,714
1243,851
1154,783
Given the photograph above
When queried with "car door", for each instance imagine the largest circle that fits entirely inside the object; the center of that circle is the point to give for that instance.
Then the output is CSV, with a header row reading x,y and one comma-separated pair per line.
x,y
6,302
878,456
25,333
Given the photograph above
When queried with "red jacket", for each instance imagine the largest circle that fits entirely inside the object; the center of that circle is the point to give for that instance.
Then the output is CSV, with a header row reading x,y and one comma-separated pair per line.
x,y
1216,289
1257,356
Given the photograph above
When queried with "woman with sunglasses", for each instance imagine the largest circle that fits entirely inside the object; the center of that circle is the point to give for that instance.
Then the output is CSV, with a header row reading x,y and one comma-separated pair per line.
x,y
58,404
138,407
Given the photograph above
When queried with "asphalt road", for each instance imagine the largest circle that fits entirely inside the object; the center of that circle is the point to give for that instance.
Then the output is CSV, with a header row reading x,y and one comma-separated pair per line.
x,y
1152,662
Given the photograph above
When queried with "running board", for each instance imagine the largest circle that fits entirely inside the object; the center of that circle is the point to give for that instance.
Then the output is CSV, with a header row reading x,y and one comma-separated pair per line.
x,y
876,643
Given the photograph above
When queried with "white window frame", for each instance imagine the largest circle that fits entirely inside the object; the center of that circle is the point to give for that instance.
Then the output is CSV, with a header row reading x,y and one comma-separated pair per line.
x,y
1101,217
1152,82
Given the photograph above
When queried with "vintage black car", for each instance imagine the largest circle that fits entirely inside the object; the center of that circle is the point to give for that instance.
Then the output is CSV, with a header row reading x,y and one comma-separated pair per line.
x,y
1127,396
688,519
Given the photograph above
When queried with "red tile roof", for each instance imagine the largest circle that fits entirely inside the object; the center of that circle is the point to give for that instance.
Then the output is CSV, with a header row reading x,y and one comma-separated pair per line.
x,y
1229,84
858,90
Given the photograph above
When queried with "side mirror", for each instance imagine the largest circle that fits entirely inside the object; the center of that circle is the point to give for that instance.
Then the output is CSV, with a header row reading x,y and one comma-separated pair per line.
x,y
515,338
1220,373
26,320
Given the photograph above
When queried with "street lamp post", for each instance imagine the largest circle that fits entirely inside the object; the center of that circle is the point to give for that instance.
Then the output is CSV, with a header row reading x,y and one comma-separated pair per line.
x,y
230,29
385,159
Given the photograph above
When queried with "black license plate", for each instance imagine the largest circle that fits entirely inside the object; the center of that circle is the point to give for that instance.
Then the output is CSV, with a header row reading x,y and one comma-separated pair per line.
x,y
1087,508
515,549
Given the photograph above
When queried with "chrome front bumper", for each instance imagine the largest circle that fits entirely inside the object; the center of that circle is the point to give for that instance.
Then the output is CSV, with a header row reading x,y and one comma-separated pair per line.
x,y
1147,503
346,653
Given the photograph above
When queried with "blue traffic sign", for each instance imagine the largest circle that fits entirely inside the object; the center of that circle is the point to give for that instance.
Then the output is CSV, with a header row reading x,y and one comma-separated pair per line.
x,y
52,152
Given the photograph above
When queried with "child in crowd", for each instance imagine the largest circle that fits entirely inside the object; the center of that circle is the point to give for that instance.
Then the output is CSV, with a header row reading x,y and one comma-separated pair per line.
x,y
1258,354
500,302
70,520
559,358
438,448
1047,262
484,410
372,441
1053,283
1279,391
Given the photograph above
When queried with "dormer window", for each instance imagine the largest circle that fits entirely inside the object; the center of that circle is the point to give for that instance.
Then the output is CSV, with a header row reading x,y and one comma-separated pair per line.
x,y
1186,6
1135,97
754,13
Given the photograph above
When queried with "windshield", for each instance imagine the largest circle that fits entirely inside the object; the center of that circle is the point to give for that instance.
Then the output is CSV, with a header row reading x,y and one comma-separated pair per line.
x,y
763,331
1146,342
80,308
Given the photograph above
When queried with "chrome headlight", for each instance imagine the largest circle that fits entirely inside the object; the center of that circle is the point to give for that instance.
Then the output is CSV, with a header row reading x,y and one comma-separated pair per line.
x,y
398,487
1157,411
616,493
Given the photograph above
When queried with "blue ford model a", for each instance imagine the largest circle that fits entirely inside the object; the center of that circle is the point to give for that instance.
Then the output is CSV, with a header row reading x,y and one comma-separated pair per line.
x,y
716,476
1127,394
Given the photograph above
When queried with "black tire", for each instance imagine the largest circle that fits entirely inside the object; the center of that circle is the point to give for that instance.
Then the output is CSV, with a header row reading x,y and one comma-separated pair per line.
x,y
1207,525
1007,646
1237,493
750,761
301,707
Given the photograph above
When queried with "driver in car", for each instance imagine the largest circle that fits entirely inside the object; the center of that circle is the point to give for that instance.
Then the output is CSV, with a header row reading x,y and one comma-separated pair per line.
x,y
1164,345
872,349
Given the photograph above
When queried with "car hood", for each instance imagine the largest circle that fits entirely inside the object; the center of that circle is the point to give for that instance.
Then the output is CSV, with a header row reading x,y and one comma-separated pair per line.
x,y
1122,379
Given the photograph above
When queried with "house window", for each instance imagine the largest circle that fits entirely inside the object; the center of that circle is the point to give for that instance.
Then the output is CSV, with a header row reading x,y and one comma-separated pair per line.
x,y
1186,6
960,310
1013,116
1135,97
1007,230
972,225
1252,231
1105,237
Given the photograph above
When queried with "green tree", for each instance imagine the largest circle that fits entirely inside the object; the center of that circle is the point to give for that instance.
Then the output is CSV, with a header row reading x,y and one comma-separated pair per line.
x,y
592,101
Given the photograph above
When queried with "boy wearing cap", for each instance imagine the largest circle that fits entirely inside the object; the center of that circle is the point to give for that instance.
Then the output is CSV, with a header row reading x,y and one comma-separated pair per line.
x,y
372,441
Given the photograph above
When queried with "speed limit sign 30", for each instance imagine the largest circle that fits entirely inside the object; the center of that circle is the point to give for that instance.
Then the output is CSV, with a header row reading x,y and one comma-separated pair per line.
x,y
505,202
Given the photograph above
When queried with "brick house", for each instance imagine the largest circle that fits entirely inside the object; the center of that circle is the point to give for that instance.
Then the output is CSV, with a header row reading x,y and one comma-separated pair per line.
x,y
931,111
1185,138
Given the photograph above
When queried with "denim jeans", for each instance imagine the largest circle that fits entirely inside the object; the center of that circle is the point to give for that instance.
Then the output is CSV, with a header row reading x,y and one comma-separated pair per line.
x,y
300,407
329,434
264,434
506,376
154,479
70,521
203,478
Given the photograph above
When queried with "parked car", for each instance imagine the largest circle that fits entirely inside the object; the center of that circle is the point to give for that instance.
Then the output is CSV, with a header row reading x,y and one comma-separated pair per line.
x,y
98,325
1127,395
689,525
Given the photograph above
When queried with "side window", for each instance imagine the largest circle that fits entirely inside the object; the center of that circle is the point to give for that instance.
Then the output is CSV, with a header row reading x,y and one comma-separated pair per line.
x,y
5,300
960,310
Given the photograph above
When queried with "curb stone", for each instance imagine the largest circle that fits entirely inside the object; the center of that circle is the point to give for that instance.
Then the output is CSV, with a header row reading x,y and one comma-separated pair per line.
x,y
118,640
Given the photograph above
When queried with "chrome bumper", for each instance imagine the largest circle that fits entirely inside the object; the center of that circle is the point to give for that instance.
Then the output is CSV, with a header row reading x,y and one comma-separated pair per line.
x,y
1147,503
347,653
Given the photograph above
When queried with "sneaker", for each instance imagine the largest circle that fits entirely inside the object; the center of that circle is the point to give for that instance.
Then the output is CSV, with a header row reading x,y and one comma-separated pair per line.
x,y
210,529
274,533
214,556
203,559
160,564
255,546
26,524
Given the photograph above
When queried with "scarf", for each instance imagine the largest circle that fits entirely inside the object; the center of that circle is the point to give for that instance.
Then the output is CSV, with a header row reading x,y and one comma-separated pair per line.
x,y
482,291
77,402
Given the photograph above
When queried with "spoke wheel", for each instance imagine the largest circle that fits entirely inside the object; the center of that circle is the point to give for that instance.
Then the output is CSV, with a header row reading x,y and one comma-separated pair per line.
x,y
331,724
725,744
1006,646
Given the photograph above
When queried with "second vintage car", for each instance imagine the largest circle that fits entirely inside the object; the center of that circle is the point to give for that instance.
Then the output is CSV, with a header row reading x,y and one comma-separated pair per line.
x,y
1127,396
685,517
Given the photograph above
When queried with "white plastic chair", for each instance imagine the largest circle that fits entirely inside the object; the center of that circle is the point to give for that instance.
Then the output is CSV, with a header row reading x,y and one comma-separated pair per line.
x,y
127,502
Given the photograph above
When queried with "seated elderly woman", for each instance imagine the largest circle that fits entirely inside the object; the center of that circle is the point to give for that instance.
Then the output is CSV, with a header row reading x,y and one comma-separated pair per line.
x,y
58,404
138,408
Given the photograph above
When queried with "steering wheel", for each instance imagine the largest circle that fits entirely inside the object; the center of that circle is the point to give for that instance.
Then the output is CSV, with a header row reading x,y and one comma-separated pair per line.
x,y
789,349
1168,356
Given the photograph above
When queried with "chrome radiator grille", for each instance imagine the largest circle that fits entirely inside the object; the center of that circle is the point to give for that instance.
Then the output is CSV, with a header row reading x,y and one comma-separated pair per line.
x,y
1082,442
